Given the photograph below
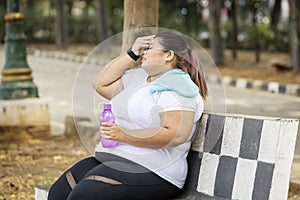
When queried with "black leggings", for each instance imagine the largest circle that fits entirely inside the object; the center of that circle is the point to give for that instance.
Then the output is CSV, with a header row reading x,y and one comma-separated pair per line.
x,y
112,178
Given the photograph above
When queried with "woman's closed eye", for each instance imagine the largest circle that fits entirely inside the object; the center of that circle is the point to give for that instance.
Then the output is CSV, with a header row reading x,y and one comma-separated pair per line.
x,y
148,48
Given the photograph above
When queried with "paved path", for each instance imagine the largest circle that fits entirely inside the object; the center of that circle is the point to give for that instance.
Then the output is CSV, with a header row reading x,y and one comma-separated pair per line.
x,y
55,79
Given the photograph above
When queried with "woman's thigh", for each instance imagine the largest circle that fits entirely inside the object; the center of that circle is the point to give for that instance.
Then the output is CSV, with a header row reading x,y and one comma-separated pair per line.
x,y
125,185
95,190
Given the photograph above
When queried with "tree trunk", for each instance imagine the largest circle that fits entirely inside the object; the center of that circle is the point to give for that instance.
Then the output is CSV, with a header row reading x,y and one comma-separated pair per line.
x,y
295,33
275,13
138,14
61,22
234,28
256,32
275,16
29,4
70,4
216,41
102,20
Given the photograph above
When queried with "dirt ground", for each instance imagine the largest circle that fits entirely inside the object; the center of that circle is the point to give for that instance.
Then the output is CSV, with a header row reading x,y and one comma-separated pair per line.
x,y
27,160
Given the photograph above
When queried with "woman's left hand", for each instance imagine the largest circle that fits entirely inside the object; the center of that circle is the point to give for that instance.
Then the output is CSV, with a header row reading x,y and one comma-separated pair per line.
x,y
112,131
142,43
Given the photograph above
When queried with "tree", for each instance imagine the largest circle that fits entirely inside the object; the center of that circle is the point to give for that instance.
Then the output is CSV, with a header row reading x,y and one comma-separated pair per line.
x,y
259,33
216,41
234,10
255,32
61,29
102,20
275,16
138,14
295,33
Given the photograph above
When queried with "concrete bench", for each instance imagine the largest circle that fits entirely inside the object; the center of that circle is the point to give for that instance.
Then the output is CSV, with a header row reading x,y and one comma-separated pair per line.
x,y
236,157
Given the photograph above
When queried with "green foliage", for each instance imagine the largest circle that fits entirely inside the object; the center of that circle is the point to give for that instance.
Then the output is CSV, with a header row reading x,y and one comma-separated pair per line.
x,y
40,20
249,35
82,29
41,28
115,13
184,16
255,29
282,40
260,34
181,15
227,27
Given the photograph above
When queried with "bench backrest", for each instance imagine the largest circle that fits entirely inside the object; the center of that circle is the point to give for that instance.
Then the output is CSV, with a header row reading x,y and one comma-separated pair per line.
x,y
241,157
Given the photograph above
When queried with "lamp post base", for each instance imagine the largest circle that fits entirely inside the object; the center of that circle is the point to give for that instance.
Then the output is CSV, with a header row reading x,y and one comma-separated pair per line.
x,y
30,114
18,90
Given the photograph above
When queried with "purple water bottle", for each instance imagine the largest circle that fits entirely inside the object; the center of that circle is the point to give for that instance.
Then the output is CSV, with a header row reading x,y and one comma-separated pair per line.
x,y
107,116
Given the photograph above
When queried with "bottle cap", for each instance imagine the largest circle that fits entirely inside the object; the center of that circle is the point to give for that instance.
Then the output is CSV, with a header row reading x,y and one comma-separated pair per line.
x,y
107,106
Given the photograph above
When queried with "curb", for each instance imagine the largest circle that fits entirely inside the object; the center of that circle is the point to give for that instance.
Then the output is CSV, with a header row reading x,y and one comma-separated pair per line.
x,y
273,87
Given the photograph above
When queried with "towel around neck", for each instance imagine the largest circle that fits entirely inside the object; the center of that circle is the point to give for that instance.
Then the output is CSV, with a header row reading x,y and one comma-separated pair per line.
x,y
178,81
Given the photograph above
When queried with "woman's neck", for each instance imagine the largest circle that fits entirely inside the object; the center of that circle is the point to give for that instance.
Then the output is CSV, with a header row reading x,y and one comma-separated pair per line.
x,y
154,77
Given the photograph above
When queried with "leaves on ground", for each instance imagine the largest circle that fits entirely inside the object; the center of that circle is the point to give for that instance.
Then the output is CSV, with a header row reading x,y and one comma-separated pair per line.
x,y
28,161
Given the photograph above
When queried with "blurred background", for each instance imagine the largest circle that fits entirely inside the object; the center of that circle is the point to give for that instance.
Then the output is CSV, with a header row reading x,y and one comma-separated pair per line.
x,y
260,25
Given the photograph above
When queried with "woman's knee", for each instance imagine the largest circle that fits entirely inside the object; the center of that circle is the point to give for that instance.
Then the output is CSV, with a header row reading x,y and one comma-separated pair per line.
x,y
68,180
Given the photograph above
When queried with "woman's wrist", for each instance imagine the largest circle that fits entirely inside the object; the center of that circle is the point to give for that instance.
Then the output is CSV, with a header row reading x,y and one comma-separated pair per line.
x,y
132,54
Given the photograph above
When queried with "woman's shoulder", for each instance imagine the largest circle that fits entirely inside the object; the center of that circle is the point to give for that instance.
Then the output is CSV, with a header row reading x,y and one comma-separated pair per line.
x,y
171,97
136,71
136,75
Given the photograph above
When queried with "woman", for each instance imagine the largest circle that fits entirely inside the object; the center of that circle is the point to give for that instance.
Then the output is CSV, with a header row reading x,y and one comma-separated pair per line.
x,y
156,108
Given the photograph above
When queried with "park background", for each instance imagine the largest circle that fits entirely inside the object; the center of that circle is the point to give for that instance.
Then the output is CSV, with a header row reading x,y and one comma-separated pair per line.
x,y
242,36
256,39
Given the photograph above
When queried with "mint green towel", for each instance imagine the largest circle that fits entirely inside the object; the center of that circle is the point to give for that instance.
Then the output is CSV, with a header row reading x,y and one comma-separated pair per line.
x,y
178,81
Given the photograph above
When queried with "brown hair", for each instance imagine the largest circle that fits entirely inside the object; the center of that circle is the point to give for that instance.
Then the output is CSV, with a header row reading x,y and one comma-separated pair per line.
x,y
186,59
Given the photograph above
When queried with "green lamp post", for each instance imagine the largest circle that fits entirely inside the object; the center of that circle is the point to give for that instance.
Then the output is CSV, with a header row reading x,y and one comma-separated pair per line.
x,y
17,81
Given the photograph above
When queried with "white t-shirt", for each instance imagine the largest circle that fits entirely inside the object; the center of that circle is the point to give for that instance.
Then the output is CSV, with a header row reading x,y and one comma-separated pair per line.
x,y
137,108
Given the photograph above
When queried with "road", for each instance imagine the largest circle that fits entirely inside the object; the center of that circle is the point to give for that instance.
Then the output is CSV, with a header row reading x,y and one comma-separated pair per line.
x,y
57,82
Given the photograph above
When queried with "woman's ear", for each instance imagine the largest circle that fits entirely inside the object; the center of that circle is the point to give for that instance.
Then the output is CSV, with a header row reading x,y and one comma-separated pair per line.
x,y
170,55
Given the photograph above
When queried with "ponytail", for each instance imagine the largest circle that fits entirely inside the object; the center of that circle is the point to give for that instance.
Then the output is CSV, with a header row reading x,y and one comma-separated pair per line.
x,y
190,65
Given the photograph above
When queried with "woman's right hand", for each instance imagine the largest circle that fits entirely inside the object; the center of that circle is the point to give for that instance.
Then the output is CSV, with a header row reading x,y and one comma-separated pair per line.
x,y
141,43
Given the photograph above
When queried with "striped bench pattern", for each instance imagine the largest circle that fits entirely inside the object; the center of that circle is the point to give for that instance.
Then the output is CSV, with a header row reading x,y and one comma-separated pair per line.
x,y
241,157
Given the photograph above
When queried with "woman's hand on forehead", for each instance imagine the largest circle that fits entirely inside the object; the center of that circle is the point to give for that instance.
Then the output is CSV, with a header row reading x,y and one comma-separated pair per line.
x,y
142,43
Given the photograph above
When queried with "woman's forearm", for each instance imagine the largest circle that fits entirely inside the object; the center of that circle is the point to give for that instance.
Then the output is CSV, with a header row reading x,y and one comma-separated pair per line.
x,y
172,132
157,137
108,79
175,129
113,70
152,137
